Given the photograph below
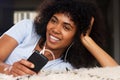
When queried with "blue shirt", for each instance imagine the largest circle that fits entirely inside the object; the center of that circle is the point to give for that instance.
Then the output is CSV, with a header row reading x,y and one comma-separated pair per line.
x,y
24,33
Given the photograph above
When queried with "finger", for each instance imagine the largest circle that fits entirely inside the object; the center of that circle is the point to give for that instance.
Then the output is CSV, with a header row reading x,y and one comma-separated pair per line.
x,y
27,63
90,26
25,70
92,21
13,72
21,69
17,71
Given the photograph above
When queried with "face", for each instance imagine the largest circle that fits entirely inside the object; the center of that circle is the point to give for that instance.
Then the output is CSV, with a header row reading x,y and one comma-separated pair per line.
x,y
60,31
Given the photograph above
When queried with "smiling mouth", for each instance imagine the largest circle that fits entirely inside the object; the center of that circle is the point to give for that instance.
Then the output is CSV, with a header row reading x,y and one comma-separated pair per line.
x,y
54,39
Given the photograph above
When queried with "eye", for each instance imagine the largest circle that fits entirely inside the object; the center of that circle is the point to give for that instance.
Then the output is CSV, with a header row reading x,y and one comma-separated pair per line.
x,y
67,27
53,20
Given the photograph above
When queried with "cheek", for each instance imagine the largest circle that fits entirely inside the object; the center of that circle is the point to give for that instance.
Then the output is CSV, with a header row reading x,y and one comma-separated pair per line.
x,y
67,41
48,26
68,38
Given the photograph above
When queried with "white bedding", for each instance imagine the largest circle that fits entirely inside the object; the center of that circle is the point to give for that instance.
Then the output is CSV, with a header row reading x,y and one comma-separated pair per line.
x,y
108,73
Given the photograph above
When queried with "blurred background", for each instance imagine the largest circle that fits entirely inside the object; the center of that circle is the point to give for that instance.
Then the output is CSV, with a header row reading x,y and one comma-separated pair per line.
x,y
12,11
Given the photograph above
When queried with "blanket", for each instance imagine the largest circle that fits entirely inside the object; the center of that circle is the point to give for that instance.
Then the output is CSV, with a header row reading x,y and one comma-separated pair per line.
x,y
96,73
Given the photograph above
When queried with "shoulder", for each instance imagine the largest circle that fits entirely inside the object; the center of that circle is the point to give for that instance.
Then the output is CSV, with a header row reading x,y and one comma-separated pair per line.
x,y
23,25
21,30
26,22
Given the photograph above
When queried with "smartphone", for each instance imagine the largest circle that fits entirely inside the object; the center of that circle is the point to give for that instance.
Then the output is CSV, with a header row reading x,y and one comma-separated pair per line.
x,y
39,60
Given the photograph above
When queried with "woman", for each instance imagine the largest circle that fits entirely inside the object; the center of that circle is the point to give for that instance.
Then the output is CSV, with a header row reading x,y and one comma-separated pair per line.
x,y
67,29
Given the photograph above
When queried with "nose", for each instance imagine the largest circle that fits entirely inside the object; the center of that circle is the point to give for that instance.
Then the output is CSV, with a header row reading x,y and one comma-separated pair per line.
x,y
57,29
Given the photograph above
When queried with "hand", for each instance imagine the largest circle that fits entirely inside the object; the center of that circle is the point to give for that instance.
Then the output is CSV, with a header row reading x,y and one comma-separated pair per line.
x,y
22,68
82,36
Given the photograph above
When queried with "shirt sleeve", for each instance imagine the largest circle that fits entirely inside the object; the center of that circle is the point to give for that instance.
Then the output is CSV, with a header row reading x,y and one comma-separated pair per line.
x,y
20,30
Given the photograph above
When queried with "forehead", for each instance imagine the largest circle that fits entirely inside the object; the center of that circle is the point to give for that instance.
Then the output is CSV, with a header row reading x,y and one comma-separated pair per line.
x,y
66,15
64,18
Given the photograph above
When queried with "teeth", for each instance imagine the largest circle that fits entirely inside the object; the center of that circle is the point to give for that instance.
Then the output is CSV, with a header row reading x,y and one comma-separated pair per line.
x,y
54,38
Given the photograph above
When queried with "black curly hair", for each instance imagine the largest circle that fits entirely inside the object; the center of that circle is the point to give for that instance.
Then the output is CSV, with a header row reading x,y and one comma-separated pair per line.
x,y
80,13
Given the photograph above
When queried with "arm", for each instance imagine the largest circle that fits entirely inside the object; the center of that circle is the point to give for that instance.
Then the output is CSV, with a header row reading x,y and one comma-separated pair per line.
x,y
102,57
7,45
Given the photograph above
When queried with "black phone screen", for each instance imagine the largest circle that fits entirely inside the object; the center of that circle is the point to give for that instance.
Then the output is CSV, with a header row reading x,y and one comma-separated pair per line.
x,y
39,60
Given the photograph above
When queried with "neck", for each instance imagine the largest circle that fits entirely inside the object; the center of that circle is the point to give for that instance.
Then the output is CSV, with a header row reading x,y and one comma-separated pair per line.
x,y
56,53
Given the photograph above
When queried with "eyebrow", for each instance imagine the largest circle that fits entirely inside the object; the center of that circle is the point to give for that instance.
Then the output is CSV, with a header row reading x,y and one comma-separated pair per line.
x,y
54,17
64,22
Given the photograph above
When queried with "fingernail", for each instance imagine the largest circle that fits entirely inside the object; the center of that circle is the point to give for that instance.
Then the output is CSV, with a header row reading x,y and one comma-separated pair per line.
x,y
32,66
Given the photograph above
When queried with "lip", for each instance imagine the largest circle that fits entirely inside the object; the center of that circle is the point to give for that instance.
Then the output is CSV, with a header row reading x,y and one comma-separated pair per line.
x,y
53,39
